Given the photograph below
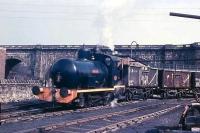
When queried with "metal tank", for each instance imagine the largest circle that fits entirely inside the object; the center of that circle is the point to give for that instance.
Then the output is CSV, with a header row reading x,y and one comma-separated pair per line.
x,y
67,73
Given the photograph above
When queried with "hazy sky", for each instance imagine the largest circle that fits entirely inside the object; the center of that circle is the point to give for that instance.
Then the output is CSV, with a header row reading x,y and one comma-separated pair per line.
x,y
97,21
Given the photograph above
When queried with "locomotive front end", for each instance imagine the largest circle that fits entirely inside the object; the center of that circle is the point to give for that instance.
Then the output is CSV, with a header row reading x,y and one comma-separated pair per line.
x,y
71,76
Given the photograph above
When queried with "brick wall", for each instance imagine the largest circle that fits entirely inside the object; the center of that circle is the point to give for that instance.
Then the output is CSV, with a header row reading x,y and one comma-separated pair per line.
x,y
2,62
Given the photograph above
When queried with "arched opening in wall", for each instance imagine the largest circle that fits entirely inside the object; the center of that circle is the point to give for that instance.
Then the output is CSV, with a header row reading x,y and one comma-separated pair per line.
x,y
10,63
17,69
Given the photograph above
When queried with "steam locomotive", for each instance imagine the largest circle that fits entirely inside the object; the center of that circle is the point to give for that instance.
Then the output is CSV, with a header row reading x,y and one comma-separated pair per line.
x,y
95,78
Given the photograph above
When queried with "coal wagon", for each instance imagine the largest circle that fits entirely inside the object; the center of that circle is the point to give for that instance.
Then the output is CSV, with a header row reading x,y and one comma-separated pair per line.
x,y
174,82
140,80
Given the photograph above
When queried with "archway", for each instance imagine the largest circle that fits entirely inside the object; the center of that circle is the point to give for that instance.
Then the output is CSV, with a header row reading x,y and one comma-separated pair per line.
x,y
10,63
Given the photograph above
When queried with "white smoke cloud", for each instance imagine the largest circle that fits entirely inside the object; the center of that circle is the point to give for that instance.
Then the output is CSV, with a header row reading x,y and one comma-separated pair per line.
x,y
110,12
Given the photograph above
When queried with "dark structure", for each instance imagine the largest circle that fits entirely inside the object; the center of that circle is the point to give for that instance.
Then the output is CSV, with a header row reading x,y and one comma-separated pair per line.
x,y
184,15
164,56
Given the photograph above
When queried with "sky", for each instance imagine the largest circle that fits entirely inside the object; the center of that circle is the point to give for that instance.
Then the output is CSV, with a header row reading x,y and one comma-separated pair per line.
x,y
104,22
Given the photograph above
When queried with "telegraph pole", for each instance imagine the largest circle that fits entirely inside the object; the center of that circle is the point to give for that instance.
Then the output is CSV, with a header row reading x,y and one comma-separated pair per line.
x,y
184,15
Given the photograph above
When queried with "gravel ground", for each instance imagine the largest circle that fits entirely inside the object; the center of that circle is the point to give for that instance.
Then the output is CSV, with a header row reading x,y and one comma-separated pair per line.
x,y
15,93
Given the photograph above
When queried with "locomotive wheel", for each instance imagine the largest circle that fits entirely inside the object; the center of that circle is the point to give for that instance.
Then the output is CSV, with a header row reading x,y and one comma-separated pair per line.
x,y
93,100
108,98
197,97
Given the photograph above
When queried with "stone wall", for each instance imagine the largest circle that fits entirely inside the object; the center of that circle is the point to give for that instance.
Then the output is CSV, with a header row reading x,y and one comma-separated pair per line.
x,y
15,91
164,56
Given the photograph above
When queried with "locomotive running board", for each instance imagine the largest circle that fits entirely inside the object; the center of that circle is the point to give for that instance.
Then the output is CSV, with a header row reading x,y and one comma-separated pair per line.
x,y
100,89
95,90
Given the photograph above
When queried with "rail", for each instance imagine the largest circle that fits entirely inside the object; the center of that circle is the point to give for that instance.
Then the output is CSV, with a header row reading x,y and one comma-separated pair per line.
x,y
39,113
78,121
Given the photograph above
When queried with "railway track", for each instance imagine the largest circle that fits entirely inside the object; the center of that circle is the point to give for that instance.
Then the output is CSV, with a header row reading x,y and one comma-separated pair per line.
x,y
25,115
35,114
108,122
87,119
111,119
17,112
132,121
24,106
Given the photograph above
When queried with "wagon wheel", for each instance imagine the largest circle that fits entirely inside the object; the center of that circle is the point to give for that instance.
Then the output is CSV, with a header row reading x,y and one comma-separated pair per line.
x,y
197,95
164,95
150,94
146,94
178,95
129,95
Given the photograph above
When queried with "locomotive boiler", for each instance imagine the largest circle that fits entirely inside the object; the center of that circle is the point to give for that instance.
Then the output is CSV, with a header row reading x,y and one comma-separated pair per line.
x,y
71,74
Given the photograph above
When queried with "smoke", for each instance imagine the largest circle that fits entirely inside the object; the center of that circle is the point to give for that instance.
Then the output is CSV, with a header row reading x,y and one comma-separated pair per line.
x,y
113,103
111,11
